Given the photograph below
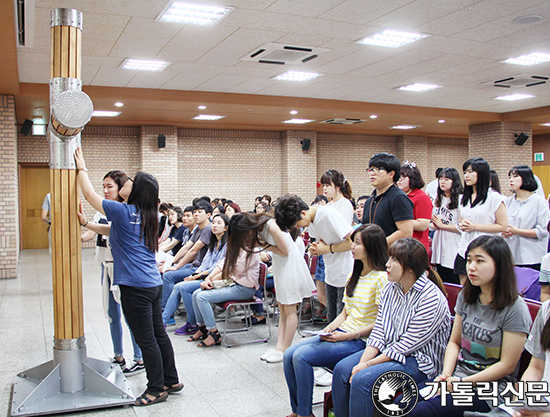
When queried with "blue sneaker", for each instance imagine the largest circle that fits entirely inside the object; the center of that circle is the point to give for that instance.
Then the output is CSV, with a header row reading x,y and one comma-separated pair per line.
x,y
187,329
171,322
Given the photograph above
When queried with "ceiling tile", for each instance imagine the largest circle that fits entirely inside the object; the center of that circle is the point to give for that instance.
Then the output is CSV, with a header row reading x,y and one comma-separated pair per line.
x,y
362,11
147,79
311,8
113,77
188,80
221,83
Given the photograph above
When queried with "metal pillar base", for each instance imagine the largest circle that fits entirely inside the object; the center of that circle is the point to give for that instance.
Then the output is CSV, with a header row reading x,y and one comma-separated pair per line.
x,y
37,391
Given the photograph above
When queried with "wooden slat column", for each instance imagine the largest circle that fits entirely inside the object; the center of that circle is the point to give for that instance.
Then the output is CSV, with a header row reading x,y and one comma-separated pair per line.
x,y
66,40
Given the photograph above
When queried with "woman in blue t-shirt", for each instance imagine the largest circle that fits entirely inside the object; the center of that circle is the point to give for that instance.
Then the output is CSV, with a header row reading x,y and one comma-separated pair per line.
x,y
134,241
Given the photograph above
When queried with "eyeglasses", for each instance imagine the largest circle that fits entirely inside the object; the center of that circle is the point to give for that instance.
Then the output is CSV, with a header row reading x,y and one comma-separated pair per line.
x,y
374,170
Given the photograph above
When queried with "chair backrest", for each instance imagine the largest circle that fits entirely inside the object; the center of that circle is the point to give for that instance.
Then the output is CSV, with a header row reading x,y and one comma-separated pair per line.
x,y
263,274
452,294
313,264
534,307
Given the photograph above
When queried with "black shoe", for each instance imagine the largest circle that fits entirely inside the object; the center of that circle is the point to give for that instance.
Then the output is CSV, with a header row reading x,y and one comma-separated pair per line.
x,y
136,367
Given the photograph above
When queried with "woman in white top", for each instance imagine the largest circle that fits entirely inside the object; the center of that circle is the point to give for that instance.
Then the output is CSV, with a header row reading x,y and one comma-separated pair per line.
x,y
444,220
482,210
528,218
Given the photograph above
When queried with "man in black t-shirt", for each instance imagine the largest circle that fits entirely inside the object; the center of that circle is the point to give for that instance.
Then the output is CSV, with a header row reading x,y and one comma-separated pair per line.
x,y
388,206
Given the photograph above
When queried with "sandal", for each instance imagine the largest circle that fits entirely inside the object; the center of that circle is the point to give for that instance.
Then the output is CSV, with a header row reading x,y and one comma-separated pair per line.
x,y
201,334
174,388
216,337
158,397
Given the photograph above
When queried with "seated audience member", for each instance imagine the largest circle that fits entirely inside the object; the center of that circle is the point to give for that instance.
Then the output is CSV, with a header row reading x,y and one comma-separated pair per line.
x,y
409,335
237,283
388,206
491,325
190,256
444,221
261,208
177,232
351,327
218,209
231,209
257,201
184,290
359,206
164,225
411,183
320,200
266,199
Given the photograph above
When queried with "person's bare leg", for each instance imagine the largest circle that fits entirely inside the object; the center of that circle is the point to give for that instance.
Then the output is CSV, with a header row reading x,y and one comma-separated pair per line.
x,y
288,329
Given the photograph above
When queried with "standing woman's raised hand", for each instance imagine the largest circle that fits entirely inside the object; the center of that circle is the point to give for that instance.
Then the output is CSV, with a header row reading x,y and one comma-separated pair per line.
x,y
79,160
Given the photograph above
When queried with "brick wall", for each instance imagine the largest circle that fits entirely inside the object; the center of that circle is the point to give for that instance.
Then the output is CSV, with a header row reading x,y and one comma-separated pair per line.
x,y
298,171
9,190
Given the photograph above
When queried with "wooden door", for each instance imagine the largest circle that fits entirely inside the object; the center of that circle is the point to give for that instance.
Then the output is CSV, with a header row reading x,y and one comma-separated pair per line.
x,y
34,184
543,172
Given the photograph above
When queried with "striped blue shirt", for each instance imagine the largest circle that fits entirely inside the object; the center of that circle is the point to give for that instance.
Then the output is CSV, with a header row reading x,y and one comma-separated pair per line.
x,y
416,324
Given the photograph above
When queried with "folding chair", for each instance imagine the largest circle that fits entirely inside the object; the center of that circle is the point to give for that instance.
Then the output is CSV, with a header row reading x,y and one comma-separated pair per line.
x,y
231,306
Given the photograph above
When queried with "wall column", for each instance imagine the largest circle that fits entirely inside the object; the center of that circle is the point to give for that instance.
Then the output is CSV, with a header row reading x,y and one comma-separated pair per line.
x,y
162,163
299,168
9,201
495,143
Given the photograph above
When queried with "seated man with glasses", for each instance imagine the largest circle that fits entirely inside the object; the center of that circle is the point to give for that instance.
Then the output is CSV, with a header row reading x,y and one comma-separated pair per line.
x,y
388,206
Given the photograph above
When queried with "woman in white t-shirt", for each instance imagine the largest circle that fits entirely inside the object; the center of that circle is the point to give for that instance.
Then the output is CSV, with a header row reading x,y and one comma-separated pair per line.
x,y
482,210
444,221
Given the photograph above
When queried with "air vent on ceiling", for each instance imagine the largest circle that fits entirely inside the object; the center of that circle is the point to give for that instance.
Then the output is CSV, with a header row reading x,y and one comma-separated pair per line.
x,y
24,22
343,121
280,54
518,81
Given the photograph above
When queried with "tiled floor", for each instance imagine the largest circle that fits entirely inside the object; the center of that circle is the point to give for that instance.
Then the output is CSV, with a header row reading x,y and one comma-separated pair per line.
x,y
219,381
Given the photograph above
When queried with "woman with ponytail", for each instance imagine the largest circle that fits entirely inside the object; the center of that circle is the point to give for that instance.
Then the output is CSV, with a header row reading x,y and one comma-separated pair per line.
x,y
410,333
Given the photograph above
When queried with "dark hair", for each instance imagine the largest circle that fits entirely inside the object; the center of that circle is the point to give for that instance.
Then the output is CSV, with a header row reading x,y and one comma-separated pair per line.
x,y
203,205
411,254
267,197
264,205
206,198
220,208
189,209
333,176
528,182
505,291
243,235
165,206
235,207
145,195
119,178
388,162
456,189
438,172
495,182
411,171
481,167
288,211
213,239
320,198
545,336
363,197
179,213
376,248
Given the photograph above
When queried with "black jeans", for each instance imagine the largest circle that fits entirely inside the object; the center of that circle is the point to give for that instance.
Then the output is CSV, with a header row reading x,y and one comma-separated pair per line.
x,y
141,308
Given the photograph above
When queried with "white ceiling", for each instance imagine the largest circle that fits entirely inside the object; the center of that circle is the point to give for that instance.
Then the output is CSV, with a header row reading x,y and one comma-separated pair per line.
x,y
468,41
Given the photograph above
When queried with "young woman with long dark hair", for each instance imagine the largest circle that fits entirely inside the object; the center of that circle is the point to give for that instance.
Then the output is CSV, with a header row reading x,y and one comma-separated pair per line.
x,y
134,241
351,327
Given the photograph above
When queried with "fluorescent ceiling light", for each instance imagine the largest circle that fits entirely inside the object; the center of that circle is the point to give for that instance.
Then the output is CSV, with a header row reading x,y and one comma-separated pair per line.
x,y
514,97
296,76
545,124
404,127
417,87
38,129
208,117
299,121
103,113
195,14
391,38
531,59
143,65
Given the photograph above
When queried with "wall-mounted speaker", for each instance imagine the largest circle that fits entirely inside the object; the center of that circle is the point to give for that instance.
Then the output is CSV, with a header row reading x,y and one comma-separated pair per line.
x,y
521,138
162,141
26,127
305,144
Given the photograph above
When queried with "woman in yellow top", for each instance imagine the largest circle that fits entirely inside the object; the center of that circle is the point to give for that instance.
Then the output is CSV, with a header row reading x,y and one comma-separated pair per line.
x,y
345,333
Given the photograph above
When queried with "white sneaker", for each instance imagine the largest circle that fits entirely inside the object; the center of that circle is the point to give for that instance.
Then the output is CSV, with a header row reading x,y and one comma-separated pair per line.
x,y
275,357
324,380
267,354
319,372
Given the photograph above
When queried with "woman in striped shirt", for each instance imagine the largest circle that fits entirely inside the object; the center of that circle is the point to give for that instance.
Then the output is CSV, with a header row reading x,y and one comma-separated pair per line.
x,y
344,335
410,333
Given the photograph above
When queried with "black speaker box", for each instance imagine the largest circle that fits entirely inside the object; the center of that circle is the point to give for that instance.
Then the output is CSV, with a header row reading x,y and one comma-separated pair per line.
x,y
305,144
162,141
26,128
521,138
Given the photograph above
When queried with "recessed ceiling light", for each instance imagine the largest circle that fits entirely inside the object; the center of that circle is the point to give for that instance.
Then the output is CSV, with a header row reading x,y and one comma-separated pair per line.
x,y
514,97
531,59
299,121
296,76
545,124
105,113
373,116
391,38
195,14
417,87
119,104
404,127
143,65
202,107
208,117
530,18
441,121
293,111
